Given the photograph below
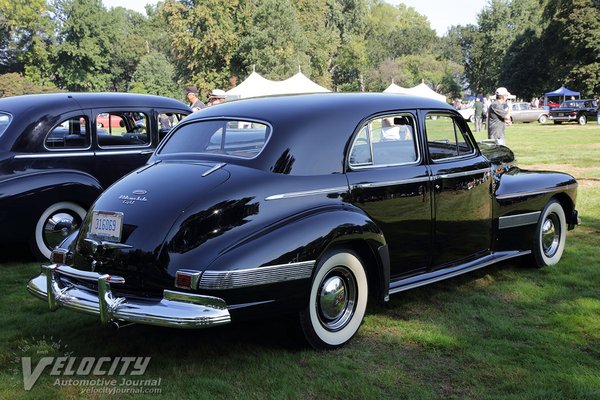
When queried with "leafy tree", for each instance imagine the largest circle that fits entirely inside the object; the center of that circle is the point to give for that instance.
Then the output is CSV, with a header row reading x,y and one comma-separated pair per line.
x,y
82,53
127,47
14,84
25,27
322,37
276,44
204,39
155,75
572,41
397,31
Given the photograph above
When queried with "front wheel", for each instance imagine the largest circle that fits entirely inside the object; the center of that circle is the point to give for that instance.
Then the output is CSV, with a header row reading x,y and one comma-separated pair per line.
x,y
56,223
550,235
337,302
582,120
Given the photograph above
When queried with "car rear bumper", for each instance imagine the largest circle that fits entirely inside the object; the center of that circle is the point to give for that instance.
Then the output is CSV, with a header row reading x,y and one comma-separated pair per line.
x,y
175,309
563,118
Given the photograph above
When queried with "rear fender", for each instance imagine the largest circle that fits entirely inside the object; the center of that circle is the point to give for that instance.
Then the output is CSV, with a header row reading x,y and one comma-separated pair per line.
x,y
301,241
24,197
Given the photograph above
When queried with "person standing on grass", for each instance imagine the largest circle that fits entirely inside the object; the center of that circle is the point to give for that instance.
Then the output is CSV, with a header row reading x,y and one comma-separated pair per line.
x,y
498,117
478,114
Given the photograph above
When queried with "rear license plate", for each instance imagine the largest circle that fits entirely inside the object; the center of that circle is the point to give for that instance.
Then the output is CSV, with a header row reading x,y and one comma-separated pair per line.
x,y
106,225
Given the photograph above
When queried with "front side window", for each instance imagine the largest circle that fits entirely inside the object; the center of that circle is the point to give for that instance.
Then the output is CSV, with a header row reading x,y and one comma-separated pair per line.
x,y
384,141
4,121
122,128
72,133
445,138
242,139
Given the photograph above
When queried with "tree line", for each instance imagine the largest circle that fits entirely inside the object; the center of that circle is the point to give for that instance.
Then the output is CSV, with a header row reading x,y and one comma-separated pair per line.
x,y
529,46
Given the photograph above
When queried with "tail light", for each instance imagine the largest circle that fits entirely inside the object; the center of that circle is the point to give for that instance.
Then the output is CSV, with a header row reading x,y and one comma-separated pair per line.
x,y
187,279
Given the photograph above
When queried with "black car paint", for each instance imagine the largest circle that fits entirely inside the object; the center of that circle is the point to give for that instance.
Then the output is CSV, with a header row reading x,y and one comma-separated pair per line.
x,y
232,219
32,177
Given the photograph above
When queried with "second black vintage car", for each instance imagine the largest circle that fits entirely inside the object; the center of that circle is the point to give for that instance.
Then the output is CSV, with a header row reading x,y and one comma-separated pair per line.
x,y
580,111
59,151
311,205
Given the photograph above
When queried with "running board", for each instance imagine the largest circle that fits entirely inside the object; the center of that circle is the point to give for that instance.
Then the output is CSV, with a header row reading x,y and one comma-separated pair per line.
x,y
435,276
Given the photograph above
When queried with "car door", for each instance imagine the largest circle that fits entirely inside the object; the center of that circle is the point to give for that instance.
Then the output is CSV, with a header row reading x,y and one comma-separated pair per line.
x,y
389,181
462,201
66,145
123,141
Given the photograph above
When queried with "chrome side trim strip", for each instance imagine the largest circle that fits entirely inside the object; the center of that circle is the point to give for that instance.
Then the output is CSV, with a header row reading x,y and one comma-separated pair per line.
x,y
535,192
213,169
220,280
56,155
413,282
174,309
465,173
391,183
513,221
118,152
307,193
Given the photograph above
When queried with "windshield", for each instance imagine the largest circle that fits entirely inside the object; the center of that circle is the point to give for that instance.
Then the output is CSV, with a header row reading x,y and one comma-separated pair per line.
x,y
572,104
4,121
241,139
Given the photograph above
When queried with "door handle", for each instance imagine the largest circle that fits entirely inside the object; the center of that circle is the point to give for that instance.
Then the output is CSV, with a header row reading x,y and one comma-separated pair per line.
x,y
144,152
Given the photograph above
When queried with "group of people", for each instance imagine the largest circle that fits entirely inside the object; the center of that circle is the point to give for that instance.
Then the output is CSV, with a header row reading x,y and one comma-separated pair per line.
x,y
217,96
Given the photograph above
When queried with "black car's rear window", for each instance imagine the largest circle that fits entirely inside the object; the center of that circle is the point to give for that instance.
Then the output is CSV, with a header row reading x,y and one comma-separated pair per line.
x,y
4,121
243,139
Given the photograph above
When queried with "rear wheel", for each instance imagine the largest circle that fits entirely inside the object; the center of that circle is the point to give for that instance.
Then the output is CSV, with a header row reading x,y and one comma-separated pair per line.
x,y
582,120
338,300
56,223
542,119
550,235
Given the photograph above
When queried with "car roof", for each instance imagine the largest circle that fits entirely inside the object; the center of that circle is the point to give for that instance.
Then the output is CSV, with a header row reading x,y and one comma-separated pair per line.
x,y
87,100
33,113
311,131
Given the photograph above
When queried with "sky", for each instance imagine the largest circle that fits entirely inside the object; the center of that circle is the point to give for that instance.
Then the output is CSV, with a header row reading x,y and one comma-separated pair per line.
x,y
441,13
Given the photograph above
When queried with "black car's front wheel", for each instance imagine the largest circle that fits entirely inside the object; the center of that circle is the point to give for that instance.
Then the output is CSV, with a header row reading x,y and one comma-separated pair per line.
x,y
57,222
338,300
550,235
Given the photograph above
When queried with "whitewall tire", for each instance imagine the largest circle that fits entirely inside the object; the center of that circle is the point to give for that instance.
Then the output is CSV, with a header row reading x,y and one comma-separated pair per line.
x,y
550,235
54,225
338,300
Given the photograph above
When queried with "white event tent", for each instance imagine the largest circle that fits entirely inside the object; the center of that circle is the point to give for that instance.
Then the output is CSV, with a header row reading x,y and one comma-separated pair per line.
x,y
421,90
255,85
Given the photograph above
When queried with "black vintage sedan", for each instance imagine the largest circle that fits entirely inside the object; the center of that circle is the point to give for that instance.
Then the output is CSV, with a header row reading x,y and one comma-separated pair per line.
x,y
59,151
580,111
311,205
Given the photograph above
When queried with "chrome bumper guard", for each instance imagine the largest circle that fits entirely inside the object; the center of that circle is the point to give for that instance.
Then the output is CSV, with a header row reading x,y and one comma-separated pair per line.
x,y
175,309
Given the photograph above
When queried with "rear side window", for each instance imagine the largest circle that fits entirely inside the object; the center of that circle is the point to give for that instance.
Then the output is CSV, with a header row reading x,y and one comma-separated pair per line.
x,y
122,128
385,141
72,133
4,121
241,139
445,138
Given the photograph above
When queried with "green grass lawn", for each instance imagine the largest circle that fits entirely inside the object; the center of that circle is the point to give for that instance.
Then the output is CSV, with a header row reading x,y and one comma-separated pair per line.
x,y
506,332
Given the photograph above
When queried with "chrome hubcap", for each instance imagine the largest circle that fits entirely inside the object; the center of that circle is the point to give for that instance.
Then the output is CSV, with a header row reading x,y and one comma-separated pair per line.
x,y
58,226
550,235
336,299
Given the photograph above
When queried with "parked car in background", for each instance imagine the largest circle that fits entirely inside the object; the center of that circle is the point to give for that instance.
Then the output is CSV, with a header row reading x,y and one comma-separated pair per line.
x,y
55,159
580,111
523,112
468,113
309,205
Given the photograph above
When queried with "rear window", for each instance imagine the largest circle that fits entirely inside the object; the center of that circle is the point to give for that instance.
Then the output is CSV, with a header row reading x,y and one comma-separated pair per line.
x,y
242,139
4,121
